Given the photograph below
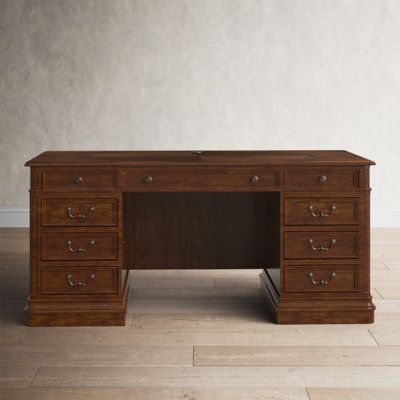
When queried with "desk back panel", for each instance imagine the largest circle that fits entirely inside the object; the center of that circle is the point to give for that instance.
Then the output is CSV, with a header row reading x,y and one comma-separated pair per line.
x,y
196,230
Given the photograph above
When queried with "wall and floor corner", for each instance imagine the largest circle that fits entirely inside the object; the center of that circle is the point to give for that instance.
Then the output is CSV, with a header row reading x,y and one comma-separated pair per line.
x,y
124,74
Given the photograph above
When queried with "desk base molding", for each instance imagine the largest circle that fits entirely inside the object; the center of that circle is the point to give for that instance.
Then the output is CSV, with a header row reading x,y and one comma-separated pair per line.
x,y
88,313
332,311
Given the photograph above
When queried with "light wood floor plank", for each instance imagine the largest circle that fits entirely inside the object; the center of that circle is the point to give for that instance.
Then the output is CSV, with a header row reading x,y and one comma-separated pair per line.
x,y
125,336
195,306
16,375
197,273
385,278
217,293
239,352
354,393
386,335
387,305
389,294
385,236
217,376
290,355
172,283
97,355
14,240
156,393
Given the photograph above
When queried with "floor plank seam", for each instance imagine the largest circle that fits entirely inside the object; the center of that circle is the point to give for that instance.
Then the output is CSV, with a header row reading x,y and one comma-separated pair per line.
x,y
373,337
379,293
34,376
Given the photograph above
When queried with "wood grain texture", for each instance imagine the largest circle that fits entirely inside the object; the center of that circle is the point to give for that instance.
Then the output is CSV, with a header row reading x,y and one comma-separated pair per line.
x,y
353,393
217,209
155,393
320,157
217,376
151,357
292,355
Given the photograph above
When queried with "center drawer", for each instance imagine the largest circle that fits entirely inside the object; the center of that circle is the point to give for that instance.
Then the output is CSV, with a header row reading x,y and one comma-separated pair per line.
x,y
79,246
317,244
244,179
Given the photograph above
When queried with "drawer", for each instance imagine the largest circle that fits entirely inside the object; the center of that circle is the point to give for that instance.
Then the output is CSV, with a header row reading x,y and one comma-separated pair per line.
x,y
61,280
79,180
321,211
321,245
321,179
79,212
230,179
79,246
321,279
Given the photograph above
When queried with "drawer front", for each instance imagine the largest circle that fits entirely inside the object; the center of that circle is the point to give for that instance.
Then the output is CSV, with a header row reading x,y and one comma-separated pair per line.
x,y
79,180
321,179
321,279
251,180
79,212
321,211
79,280
321,245
79,246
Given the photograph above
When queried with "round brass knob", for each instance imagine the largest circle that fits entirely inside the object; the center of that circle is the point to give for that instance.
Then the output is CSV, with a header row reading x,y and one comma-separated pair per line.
x,y
254,179
148,179
79,179
322,178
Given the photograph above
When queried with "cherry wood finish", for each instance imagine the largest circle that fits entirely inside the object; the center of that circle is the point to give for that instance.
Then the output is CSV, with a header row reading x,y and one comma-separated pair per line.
x,y
79,212
210,179
78,179
79,246
331,278
79,280
321,211
196,230
322,178
95,215
321,245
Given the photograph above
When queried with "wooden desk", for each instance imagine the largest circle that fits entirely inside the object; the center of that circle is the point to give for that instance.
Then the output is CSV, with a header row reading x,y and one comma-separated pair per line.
x,y
301,216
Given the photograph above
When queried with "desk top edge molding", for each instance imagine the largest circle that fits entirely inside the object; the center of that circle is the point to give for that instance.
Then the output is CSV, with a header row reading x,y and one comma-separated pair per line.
x,y
198,158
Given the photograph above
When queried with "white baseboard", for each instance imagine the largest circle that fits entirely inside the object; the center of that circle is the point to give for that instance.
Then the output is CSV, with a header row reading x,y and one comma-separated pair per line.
x,y
385,218
18,217
14,217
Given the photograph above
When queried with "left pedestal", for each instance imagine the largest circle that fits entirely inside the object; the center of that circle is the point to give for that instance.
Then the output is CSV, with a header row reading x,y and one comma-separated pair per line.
x,y
76,250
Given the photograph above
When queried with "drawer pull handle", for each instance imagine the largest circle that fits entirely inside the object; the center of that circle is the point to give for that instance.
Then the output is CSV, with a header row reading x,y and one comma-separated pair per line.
x,y
321,214
79,249
322,247
148,179
254,179
78,215
322,179
78,180
79,283
322,281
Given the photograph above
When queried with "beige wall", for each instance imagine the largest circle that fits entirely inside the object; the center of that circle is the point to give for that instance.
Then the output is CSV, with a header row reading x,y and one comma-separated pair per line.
x,y
200,74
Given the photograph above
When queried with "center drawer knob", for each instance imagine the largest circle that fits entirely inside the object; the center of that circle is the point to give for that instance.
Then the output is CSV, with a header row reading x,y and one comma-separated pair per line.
x,y
322,178
254,179
148,179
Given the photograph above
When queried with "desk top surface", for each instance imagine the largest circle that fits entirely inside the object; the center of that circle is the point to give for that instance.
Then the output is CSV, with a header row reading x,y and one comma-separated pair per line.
x,y
136,158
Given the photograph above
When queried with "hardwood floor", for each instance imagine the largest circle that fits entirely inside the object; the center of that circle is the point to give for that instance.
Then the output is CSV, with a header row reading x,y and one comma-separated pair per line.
x,y
200,335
